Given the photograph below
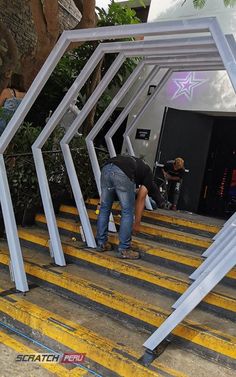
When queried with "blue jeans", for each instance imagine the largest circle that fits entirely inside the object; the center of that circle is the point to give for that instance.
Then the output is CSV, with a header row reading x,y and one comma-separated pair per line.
x,y
5,116
115,182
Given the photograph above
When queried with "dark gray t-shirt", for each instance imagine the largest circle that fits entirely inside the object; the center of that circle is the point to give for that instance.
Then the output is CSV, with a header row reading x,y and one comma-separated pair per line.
x,y
139,172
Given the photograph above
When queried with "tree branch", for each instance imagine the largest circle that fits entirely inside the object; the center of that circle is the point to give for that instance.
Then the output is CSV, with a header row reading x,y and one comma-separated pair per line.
x,y
10,58
40,24
88,20
90,87
51,10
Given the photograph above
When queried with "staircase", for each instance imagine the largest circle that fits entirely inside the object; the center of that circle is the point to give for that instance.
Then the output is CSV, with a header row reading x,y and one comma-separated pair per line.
x,y
107,307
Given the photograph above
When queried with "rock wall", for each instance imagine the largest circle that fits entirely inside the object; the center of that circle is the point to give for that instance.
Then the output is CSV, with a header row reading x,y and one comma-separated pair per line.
x,y
17,16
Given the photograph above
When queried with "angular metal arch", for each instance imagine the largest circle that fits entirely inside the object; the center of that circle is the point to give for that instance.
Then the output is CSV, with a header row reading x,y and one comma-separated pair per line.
x,y
156,30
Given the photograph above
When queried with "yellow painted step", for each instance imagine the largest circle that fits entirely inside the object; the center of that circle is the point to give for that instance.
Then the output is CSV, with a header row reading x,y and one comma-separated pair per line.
x,y
80,339
158,231
137,271
56,369
171,255
167,217
153,315
158,251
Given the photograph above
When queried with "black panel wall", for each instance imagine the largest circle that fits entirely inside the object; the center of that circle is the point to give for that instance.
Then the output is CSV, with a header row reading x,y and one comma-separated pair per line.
x,y
187,134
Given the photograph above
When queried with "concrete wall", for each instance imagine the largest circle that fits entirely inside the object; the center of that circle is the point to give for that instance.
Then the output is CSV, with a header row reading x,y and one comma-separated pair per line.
x,y
212,91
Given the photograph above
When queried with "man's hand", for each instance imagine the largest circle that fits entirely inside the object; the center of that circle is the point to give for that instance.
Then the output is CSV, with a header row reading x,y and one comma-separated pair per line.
x,y
166,175
136,228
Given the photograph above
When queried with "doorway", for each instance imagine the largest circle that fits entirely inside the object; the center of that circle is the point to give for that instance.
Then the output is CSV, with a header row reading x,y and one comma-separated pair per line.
x,y
218,196
186,134
207,143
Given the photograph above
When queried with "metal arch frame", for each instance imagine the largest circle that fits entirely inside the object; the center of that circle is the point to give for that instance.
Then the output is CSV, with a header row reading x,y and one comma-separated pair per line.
x,y
218,265
104,117
129,83
16,259
98,126
131,104
158,29
128,49
190,302
195,296
48,129
150,99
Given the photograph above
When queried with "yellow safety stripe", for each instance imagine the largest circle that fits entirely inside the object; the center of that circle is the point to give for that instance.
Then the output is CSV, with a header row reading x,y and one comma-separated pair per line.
x,y
99,349
57,369
156,216
200,335
172,255
162,232
140,272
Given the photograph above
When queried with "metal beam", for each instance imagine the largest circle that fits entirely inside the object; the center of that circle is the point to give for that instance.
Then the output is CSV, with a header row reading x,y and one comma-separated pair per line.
x,y
192,300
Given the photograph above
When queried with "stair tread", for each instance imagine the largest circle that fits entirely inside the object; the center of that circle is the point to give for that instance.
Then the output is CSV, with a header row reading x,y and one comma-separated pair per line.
x,y
91,319
74,226
163,229
100,348
151,218
75,273
149,269
160,229
128,298
185,215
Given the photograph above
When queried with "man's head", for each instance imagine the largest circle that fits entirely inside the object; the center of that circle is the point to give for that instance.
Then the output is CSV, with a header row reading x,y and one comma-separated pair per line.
x,y
178,163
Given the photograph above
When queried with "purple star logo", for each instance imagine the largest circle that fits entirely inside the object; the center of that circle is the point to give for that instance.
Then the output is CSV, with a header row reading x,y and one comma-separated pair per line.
x,y
186,85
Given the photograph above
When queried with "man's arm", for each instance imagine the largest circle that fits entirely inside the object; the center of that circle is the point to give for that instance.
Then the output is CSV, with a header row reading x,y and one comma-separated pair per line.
x,y
171,177
3,96
139,207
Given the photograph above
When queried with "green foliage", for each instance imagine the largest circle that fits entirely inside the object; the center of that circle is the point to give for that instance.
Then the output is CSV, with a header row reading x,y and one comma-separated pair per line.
x,y
141,2
229,3
22,176
199,4
116,15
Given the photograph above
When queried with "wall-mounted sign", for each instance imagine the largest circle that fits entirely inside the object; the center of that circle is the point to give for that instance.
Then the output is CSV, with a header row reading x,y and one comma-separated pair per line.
x,y
151,89
142,134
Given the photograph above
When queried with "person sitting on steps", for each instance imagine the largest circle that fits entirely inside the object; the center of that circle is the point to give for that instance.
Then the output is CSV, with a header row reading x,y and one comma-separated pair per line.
x,y
173,172
10,98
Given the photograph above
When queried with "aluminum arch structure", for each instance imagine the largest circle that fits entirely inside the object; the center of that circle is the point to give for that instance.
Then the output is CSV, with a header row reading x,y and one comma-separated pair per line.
x,y
206,42
162,28
128,49
172,66
185,63
224,53
176,63
56,116
207,276
155,29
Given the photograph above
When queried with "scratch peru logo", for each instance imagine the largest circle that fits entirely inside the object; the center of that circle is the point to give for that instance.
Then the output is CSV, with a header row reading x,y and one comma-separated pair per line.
x,y
65,358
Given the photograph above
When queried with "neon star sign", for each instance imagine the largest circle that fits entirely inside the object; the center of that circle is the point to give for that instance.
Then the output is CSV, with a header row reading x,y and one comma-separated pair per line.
x,y
185,86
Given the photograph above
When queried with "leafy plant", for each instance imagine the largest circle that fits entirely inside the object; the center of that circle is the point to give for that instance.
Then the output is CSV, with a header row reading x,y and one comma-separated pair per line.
x,y
199,4
22,175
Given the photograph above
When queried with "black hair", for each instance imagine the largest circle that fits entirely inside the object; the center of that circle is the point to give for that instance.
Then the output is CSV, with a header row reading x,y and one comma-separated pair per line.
x,y
17,82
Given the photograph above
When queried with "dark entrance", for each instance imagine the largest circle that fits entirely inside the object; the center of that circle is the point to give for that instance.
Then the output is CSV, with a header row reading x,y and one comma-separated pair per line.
x,y
218,196
208,145
187,134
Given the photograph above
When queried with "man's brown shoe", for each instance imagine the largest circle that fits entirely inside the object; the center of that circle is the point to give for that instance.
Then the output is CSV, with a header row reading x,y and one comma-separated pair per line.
x,y
128,254
106,247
